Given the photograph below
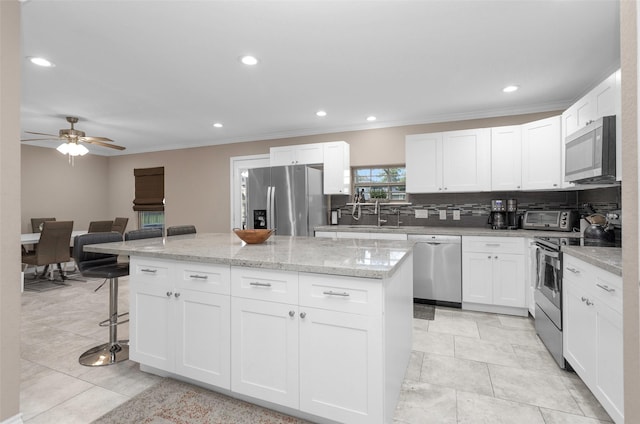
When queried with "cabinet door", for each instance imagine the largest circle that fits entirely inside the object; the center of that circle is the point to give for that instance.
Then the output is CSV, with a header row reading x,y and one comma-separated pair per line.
x,y
466,160
341,366
477,277
423,158
203,330
151,325
506,160
308,154
337,168
579,320
609,378
264,350
541,154
509,287
284,155
604,98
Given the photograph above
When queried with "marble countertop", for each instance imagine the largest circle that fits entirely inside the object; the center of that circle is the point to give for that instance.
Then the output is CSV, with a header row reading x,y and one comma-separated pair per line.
x,y
607,258
459,231
355,258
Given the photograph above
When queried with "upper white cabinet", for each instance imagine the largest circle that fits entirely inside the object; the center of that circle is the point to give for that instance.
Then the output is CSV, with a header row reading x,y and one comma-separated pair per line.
x,y
301,154
603,100
337,168
454,161
541,154
506,158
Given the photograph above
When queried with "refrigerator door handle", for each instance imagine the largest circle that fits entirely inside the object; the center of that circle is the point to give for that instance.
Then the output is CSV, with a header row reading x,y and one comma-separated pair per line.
x,y
272,208
269,207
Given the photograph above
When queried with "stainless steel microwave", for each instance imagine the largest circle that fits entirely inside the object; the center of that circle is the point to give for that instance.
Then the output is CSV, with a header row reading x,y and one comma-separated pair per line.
x,y
558,220
590,153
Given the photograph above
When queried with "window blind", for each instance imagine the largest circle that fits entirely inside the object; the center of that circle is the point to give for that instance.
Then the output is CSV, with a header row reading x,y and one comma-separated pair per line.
x,y
149,189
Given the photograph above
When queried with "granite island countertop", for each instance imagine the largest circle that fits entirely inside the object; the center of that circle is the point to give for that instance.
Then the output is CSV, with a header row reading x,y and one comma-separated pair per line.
x,y
607,258
347,257
452,231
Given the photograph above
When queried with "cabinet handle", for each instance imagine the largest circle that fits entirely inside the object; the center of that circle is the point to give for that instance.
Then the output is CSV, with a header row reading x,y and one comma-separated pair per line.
x,y
495,257
152,271
589,303
199,277
489,257
606,288
492,244
555,185
303,314
517,186
257,284
169,294
177,295
292,313
575,271
332,293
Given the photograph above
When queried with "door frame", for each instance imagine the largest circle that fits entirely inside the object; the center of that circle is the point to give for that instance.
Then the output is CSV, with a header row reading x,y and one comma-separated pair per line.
x,y
237,164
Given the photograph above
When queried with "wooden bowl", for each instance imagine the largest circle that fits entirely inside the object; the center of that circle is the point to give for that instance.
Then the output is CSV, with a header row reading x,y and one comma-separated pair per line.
x,y
253,236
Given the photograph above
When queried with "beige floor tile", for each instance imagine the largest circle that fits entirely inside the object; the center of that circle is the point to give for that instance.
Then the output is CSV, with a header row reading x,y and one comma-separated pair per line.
x,y
456,373
525,323
441,344
124,378
479,317
49,391
557,417
422,403
81,409
516,336
455,326
534,388
486,351
537,358
421,324
415,366
587,402
475,409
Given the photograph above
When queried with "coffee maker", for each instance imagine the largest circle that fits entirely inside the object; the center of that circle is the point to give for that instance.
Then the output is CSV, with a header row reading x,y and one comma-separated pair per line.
x,y
498,215
512,214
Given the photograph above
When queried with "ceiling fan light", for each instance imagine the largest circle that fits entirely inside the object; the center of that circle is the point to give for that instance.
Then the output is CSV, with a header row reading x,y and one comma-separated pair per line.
x,y
82,150
63,148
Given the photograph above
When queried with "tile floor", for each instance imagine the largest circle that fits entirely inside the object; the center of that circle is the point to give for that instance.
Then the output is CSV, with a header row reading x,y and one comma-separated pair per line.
x,y
466,367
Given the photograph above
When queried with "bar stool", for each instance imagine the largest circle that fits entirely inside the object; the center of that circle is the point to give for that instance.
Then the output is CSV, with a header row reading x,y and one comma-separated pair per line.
x,y
100,265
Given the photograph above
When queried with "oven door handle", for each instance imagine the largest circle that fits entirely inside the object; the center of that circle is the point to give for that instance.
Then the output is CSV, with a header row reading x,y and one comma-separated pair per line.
x,y
540,268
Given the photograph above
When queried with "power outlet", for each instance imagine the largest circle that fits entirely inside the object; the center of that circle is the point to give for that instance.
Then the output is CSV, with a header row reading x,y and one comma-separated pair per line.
x,y
456,215
422,213
443,215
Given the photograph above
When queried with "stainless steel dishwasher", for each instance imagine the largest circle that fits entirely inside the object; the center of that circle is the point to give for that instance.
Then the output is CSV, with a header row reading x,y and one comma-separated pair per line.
x,y
437,269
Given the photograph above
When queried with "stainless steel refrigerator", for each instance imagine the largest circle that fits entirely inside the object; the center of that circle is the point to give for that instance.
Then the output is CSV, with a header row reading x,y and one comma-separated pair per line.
x,y
288,199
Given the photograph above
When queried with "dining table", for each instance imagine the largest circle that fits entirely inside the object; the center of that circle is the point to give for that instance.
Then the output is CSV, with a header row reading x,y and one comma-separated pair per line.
x,y
34,238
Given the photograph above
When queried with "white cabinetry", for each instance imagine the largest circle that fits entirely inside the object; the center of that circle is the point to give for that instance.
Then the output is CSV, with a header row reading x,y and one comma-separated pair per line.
x,y
454,161
506,158
542,154
337,168
180,319
592,333
301,154
493,277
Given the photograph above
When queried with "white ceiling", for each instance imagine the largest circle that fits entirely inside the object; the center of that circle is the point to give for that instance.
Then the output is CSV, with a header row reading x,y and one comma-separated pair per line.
x,y
155,75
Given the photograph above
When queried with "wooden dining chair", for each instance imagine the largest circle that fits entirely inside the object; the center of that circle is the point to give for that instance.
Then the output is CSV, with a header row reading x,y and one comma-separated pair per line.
x,y
119,225
100,226
53,247
36,224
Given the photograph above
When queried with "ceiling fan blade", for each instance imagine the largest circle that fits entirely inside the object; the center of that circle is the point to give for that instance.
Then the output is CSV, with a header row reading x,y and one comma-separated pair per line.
x,y
99,143
40,139
37,133
95,139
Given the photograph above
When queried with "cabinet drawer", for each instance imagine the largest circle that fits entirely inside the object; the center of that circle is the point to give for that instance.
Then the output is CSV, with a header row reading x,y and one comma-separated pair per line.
x,y
577,271
606,287
493,244
205,278
149,270
265,284
345,294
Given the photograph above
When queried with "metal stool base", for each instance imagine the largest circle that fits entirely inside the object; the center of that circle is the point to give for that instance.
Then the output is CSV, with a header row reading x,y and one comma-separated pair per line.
x,y
106,354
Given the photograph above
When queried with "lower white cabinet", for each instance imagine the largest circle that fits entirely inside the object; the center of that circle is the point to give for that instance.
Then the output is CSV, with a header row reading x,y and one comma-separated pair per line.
x,y
592,331
180,319
493,276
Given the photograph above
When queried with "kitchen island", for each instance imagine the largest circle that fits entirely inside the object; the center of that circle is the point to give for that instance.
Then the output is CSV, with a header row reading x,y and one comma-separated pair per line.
x,y
315,328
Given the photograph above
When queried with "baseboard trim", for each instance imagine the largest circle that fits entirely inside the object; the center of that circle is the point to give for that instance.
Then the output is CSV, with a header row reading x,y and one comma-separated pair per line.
x,y
16,419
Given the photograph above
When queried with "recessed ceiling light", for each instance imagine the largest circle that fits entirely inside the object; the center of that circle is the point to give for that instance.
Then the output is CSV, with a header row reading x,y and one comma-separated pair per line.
x,y
321,113
249,60
371,118
217,125
510,88
41,61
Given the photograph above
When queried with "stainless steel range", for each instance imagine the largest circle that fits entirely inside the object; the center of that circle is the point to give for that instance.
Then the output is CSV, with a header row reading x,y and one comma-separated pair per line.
x,y
548,293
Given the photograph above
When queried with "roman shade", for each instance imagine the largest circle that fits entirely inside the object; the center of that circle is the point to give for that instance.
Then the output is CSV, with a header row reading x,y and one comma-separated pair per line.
x,y
149,189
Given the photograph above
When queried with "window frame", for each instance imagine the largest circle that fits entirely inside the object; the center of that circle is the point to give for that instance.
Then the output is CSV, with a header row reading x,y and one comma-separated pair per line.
x,y
392,196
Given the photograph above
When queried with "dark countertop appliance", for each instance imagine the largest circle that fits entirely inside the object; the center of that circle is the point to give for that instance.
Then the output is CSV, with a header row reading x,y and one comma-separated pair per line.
x,y
498,215
591,153
558,220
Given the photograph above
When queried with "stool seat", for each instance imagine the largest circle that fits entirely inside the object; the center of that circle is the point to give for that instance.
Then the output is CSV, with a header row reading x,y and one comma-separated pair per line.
x,y
107,271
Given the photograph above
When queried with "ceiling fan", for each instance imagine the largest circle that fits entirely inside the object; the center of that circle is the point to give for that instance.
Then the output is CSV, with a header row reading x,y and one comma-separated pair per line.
x,y
72,138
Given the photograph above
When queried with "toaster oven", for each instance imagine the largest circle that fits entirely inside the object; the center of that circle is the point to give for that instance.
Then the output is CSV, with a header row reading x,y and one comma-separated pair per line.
x,y
558,220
